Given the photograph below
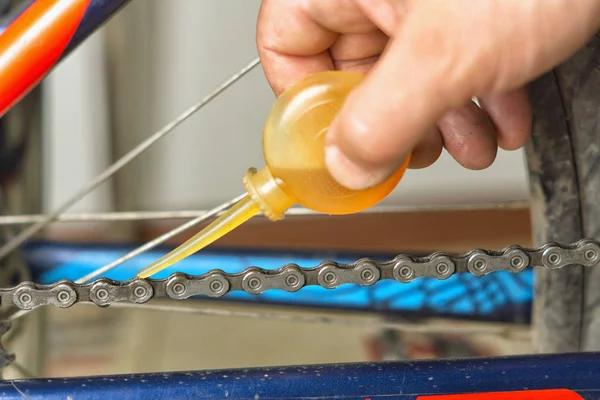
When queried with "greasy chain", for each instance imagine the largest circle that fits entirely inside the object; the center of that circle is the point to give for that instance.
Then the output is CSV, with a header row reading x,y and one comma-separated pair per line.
x,y
291,278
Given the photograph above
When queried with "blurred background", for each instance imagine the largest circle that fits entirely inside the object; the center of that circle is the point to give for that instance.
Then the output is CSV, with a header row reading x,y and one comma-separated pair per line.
x,y
149,63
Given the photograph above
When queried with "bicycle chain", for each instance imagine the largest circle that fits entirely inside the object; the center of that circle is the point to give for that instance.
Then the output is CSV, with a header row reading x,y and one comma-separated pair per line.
x,y
291,278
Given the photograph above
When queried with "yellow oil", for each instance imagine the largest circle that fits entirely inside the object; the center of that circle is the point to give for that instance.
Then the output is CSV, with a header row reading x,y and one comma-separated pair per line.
x,y
241,212
295,171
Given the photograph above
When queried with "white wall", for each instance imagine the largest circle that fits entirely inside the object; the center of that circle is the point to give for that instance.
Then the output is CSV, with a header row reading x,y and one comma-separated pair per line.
x,y
76,128
194,45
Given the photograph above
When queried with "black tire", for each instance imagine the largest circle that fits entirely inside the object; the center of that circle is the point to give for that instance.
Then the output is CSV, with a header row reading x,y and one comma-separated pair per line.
x,y
563,158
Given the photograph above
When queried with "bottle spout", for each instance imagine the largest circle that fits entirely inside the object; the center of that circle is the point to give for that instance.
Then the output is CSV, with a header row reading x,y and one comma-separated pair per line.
x,y
268,192
239,213
264,193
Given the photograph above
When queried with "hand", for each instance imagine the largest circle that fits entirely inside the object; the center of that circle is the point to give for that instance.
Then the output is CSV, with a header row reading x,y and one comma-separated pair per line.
x,y
425,60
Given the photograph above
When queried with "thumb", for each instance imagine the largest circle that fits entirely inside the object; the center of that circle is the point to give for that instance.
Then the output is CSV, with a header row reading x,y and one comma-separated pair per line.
x,y
387,115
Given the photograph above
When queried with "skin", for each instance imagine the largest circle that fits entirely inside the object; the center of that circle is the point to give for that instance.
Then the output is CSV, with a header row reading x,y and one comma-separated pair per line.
x,y
424,60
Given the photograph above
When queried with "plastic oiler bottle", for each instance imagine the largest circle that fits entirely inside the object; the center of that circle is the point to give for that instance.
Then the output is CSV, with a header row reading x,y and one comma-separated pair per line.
x,y
295,172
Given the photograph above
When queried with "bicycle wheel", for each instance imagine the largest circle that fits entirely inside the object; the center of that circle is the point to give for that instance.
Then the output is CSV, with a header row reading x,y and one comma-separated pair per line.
x,y
563,159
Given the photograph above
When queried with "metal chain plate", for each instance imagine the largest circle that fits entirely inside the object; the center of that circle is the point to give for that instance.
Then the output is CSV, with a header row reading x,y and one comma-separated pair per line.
x,y
291,278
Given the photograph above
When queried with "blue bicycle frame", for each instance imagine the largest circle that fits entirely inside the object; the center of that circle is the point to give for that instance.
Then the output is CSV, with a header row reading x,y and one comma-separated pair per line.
x,y
550,377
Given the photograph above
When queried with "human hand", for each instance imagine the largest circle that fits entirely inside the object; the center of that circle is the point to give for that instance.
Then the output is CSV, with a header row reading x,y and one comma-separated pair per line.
x,y
425,60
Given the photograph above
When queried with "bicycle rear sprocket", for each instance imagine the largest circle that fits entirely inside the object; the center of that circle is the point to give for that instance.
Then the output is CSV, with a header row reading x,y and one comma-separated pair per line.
x,y
291,278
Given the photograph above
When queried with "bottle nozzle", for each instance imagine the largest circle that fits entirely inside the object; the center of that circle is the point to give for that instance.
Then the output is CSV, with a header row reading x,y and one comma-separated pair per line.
x,y
264,194
268,193
239,213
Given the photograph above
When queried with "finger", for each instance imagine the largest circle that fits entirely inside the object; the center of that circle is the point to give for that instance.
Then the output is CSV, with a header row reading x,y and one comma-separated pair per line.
x,y
512,117
355,46
282,70
285,27
343,16
387,15
295,38
469,136
428,150
358,52
387,115
290,44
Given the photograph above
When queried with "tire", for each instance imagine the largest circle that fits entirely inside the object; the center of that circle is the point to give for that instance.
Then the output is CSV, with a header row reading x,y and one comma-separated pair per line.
x,y
563,157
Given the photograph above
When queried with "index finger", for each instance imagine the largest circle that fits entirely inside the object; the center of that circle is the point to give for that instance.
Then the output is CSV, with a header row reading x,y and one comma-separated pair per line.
x,y
290,44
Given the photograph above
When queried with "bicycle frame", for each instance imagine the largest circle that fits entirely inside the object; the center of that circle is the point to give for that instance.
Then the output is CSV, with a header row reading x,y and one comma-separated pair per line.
x,y
33,41
42,35
550,377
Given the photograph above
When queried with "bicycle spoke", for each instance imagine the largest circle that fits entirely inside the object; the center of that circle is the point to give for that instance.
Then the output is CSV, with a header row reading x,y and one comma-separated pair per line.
x,y
126,159
22,370
185,214
425,327
159,240
145,247
16,314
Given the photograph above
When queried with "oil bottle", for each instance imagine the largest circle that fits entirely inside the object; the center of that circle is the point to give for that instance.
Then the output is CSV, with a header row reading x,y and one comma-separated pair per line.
x,y
295,172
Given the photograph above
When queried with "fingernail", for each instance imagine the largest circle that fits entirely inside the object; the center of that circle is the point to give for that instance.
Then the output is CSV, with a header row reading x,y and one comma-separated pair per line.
x,y
350,174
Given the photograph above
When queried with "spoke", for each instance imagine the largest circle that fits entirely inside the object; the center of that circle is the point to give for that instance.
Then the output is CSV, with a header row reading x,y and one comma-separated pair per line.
x,y
22,370
105,216
16,314
509,331
426,327
145,247
132,154
186,214
159,240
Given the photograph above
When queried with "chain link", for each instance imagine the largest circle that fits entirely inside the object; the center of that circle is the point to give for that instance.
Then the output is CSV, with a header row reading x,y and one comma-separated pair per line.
x,y
291,278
